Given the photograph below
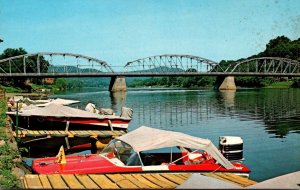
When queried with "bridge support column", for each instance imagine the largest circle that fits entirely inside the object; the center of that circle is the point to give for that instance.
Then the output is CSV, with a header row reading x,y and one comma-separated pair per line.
x,y
117,84
228,84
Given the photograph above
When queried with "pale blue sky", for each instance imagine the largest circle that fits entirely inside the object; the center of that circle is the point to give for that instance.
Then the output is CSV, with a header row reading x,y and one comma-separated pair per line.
x,y
118,31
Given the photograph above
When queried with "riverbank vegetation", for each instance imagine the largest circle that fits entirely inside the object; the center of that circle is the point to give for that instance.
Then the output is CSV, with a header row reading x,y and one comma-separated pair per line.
x,y
178,82
7,153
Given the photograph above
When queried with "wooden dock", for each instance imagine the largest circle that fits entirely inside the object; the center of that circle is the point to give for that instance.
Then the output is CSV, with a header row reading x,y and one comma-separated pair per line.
x,y
120,181
69,134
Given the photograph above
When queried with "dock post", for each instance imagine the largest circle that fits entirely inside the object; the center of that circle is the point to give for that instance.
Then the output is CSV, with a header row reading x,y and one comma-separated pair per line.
x,y
117,84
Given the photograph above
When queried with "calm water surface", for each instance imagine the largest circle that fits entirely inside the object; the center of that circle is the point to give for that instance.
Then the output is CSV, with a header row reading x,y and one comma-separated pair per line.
x,y
268,120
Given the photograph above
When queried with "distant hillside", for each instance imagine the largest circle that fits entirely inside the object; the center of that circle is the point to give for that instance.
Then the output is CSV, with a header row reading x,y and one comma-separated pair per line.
x,y
71,69
160,69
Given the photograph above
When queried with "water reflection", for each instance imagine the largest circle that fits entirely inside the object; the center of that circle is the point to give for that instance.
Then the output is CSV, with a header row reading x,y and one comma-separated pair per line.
x,y
118,100
278,110
228,96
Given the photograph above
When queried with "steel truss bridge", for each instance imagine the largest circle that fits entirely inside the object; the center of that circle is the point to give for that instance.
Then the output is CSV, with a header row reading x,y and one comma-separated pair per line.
x,y
50,64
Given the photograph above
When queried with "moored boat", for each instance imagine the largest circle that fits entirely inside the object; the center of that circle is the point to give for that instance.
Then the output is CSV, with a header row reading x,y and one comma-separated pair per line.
x,y
59,117
142,151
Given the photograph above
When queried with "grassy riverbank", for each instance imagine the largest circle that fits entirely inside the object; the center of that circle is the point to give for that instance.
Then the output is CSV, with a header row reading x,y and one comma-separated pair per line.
x,y
7,153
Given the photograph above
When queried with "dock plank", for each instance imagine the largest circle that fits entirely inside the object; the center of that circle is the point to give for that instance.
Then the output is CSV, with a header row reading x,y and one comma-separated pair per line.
x,y
107,132
81,132
173,178
246,180
121,181
103,182
72,132
156,181
70,135
51,132
23,132
100,133
135,181
42,132
86,181
93,133
243,182
183,176
164,180
62,132
72,181
23,183
33,182
56,132
45,182
46,132
229,178
145,181
57,182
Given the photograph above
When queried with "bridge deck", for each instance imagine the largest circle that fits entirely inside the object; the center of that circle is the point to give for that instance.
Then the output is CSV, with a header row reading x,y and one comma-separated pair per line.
x,y
116,181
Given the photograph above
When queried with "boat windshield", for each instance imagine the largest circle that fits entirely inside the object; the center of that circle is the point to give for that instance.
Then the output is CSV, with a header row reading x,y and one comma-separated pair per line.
x,y
122,151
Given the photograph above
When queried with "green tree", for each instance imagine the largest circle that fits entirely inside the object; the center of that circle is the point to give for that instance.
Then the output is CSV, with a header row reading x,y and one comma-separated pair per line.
x,y
61,83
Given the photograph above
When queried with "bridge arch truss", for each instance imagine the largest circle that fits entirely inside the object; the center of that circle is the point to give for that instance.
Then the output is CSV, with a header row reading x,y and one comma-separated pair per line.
x,y
51,64
172,63
265,65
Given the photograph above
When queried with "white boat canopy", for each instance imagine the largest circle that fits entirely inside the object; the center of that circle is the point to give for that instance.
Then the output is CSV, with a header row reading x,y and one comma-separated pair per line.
x,y
146,138
56,110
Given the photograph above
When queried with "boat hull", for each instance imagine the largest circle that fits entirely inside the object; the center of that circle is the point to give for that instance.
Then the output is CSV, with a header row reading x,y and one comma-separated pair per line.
x,y
98,164
53,123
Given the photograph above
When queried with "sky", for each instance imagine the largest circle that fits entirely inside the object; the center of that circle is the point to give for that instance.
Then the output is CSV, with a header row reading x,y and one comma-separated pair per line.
x,y
119,31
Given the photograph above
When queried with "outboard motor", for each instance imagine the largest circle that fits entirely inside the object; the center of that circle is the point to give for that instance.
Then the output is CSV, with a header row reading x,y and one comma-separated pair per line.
x,y
231,147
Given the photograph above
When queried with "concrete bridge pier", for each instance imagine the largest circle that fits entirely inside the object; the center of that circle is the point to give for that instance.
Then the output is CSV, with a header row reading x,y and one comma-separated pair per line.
x,y
117,84
228,84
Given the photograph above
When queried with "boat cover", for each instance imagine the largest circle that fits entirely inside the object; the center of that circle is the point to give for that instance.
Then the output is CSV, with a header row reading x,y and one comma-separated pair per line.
x,y
146,138
56,110
58,101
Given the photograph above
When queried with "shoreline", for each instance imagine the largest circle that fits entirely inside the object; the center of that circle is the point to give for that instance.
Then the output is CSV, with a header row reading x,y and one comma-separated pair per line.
x,y
30,95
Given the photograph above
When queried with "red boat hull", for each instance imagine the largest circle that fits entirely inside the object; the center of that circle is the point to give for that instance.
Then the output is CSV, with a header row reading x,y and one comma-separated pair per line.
x,y
95,163
54,123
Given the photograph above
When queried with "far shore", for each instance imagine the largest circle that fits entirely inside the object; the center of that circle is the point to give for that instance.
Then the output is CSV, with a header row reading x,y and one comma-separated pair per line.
x,y
33,95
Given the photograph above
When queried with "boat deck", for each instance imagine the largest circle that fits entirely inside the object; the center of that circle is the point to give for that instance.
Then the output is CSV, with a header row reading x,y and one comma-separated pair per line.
x,y
70,134
120,181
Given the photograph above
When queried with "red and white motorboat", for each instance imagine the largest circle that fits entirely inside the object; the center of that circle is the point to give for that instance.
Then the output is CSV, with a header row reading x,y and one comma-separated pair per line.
x,y
145,150
59,117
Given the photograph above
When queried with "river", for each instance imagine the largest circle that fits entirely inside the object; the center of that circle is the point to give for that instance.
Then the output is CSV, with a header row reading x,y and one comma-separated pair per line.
x,y
268,120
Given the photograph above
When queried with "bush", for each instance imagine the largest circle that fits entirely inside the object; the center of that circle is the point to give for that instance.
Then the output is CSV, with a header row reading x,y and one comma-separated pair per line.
x,y
7,154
